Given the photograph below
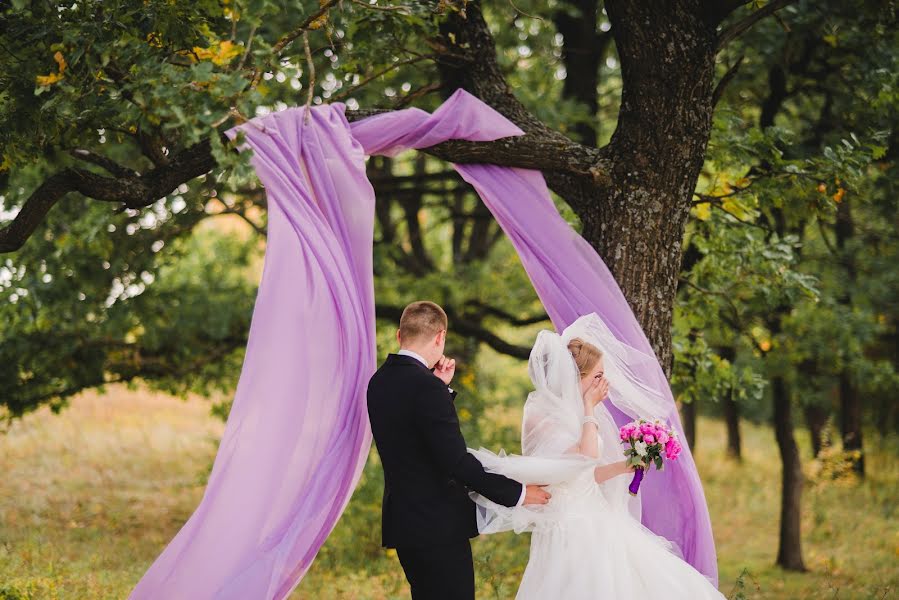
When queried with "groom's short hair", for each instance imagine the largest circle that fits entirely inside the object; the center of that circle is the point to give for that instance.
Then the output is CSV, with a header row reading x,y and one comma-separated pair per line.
x,y
422,319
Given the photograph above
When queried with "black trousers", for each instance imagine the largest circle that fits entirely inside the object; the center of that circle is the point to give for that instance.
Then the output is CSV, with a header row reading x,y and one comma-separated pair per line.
x,y
443,572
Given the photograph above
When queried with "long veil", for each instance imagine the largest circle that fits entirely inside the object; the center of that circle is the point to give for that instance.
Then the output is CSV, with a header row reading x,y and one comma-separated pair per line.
x,y
551,423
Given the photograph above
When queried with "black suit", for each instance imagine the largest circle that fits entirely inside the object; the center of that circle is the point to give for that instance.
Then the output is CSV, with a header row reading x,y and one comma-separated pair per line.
x,y
426,513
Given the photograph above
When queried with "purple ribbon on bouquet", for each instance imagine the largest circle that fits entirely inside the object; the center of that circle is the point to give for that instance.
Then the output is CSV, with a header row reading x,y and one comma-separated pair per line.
x,y
634,487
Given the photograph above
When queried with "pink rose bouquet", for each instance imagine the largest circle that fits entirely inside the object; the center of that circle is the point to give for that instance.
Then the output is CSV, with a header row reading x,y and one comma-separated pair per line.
x,y
648,442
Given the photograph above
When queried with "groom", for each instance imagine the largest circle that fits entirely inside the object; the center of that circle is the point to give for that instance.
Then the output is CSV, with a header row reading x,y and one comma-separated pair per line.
x,y
427,514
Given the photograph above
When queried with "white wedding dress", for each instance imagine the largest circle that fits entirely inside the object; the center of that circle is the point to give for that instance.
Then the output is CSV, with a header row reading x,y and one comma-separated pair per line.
x,y
587,542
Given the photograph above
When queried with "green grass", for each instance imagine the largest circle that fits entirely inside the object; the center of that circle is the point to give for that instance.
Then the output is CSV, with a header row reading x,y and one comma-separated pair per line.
x,y
89,498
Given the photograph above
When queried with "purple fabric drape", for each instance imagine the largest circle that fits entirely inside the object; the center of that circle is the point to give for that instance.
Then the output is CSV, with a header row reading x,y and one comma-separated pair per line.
x,y
298,435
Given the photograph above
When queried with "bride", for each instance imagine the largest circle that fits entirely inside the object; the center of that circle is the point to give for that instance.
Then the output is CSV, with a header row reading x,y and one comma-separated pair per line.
x,y
587,542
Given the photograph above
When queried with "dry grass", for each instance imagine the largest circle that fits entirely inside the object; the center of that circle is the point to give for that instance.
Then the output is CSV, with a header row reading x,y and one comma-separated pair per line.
x,y
850,529
89,496
89,499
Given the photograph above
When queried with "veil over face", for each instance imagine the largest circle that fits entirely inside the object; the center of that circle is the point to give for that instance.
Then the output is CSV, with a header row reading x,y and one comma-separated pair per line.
x,y
552,413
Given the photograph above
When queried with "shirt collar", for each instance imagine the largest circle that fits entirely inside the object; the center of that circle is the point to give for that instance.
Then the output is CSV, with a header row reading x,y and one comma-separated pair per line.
x,y
414,355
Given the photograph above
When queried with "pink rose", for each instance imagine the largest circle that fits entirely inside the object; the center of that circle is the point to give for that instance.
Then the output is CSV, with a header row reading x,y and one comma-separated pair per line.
x,y
649,438
663,437
672,449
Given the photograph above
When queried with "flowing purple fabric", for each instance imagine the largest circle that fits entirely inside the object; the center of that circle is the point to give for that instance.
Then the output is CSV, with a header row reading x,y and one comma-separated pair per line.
x,y
298,435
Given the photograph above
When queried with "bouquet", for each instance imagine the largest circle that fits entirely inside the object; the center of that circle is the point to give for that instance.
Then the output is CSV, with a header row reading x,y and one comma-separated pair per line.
x,y
648,441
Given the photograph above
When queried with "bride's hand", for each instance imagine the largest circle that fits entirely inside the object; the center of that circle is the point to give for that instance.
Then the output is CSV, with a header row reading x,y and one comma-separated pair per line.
x,y
596,393
605,472
625,468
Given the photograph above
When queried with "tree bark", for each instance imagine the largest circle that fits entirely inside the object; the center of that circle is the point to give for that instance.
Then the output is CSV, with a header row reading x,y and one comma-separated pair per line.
x,y
815,419
851,425
850,399
731,411
789,551
688,416
815,414
637,224
732,420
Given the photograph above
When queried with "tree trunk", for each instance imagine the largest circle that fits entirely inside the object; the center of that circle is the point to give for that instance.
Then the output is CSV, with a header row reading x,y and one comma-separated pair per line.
x,y
816,419
688,416
634,198
815,414
637,224
731,411
789,552
732,420
850,399
851,422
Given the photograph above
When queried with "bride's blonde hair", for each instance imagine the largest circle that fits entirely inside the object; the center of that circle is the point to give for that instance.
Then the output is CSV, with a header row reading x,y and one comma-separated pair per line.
x,y
585,355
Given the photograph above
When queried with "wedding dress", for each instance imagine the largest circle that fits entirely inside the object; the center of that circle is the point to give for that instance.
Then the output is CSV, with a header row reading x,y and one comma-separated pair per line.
x,y
587,542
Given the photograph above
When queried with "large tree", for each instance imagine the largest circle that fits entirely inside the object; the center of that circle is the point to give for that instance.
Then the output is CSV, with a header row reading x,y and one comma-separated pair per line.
x,y
633,195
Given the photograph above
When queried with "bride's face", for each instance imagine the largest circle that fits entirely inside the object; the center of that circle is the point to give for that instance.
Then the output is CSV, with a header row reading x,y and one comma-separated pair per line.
x,y
596,374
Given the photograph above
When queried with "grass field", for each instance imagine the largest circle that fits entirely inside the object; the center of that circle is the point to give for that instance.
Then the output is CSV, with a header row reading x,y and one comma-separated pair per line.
x,y
89,498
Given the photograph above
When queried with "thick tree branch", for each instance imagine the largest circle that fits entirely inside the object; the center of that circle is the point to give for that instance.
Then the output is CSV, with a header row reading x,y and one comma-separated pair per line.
x,y
718,10
558,155
511,319
566,164
132,192
152,148
552,154
463,327
103,162
134,361
725,80
467,59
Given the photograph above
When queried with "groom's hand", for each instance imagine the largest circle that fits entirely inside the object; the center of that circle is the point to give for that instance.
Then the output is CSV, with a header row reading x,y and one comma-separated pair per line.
x,y
445,369
535,494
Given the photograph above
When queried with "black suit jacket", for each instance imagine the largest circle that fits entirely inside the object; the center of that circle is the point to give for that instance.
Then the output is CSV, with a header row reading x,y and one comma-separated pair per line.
x,y
426,465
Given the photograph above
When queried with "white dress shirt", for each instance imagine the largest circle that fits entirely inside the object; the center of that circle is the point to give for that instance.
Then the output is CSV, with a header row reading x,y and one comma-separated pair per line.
x,y
421,359
414,355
